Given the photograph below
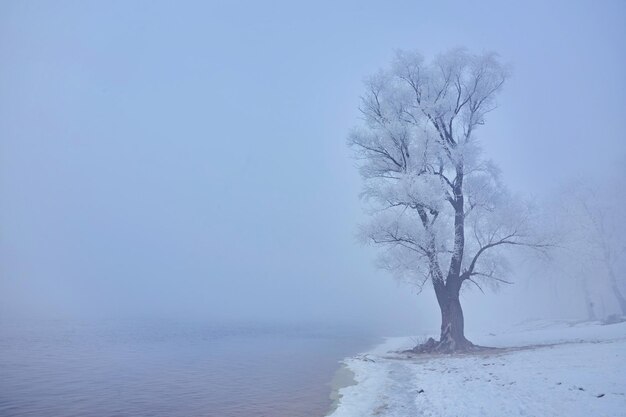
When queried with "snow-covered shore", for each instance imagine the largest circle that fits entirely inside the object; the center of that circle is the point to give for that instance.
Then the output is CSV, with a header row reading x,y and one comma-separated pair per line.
x,y
546,369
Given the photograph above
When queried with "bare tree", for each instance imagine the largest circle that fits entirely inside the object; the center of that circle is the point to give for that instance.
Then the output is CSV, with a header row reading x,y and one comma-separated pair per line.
x,y
438,208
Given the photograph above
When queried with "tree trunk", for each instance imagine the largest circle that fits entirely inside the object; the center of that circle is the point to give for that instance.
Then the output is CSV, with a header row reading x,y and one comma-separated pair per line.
x,y
452,337
609,265
616,291
591,313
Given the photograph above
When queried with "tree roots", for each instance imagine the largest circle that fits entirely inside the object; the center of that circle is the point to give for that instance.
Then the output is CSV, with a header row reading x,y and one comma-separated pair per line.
x,y
446,346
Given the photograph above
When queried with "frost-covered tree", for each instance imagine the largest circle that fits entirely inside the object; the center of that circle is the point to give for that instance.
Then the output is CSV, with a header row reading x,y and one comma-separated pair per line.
x,y
438,208
589,216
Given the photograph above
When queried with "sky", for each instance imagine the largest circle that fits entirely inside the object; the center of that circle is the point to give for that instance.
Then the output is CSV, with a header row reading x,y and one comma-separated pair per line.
x,y
189,159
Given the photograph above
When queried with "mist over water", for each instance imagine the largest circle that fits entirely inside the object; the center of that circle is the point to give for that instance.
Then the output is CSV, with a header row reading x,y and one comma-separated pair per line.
x,y
159,160
170,368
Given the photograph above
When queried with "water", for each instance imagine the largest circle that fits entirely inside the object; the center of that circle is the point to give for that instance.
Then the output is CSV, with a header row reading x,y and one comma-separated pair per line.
x,y
169,369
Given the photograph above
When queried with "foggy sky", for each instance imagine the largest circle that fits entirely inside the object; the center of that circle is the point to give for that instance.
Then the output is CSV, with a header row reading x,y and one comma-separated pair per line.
x,y
189,158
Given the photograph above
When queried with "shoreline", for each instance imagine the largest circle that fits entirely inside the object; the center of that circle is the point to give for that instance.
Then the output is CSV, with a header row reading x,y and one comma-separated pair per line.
x,y
564,368
344,377
348,378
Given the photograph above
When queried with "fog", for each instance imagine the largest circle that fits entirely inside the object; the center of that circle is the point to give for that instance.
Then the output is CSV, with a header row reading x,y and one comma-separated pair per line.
x,y
189,160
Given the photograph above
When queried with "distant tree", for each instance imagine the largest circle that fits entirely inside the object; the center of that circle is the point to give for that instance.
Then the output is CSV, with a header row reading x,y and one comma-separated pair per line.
x,y
592,224
438,207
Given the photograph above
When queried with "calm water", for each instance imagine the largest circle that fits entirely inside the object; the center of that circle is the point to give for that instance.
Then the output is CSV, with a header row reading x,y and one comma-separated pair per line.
x,y
169,369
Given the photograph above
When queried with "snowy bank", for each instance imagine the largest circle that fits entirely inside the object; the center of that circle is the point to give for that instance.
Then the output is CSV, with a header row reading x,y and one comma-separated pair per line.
x,y
563,369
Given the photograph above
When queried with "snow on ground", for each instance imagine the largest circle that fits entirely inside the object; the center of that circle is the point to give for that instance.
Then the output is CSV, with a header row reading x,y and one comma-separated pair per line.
x,y
564,370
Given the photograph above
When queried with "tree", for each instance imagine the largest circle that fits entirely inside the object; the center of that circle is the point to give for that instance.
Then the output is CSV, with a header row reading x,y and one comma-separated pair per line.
x,y
438,208
591,221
